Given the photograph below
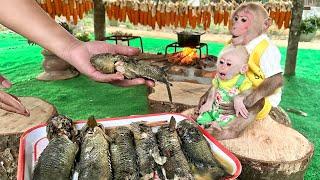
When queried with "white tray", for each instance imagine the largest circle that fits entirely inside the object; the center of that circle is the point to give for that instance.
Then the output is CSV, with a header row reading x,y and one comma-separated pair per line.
x,y
34,140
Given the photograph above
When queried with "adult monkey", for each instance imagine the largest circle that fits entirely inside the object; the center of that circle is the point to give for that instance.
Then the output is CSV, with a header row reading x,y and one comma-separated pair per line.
x,y
249,23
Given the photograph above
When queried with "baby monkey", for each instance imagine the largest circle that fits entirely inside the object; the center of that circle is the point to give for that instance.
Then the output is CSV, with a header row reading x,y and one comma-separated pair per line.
x,y
230,84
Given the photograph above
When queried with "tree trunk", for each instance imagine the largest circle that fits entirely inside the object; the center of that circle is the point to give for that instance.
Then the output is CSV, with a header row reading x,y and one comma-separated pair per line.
x,y
294,36
12,127
268,150
99,20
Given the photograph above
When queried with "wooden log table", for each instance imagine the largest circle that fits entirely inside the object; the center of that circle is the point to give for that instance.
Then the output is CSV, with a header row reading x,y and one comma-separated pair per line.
x,y
267,149
12,127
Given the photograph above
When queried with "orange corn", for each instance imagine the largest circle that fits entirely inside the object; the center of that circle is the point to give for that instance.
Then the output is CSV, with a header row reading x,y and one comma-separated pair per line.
x,y
71,5
281,19
225,17
129,13
49,6
80,10
216,17
276,16
56,7
172,17
287,19
75,16
199,17
68,12
64,11
158,19
44,7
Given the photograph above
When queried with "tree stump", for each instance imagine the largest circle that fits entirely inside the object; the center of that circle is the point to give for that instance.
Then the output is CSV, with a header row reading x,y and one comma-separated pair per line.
x,y
12,127
184,96
55,68
270,150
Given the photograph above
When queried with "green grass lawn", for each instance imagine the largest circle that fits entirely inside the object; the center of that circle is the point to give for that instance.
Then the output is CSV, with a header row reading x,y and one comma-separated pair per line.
x,y
80,97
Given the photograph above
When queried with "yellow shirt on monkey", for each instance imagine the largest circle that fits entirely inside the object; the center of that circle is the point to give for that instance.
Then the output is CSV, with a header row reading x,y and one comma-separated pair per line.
x,y
264,62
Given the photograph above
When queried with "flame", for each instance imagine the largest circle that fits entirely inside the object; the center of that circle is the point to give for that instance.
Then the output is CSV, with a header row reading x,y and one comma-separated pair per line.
x,y
186,56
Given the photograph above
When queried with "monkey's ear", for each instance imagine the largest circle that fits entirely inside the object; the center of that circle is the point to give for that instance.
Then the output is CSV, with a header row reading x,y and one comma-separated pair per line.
x,y
267,23
244,68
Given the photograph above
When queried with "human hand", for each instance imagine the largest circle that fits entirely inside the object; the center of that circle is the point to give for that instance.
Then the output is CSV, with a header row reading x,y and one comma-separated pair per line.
x,y
239,107
10,102
79,56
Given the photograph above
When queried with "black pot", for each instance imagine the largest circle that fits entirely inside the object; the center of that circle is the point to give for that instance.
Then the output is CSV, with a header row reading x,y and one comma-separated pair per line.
x,y
189,39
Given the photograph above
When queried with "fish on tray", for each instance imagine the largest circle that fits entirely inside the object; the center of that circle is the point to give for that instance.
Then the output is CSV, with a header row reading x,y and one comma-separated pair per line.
x,y
130,67
198,152
94,162
176,166
149,159
57,159
123,154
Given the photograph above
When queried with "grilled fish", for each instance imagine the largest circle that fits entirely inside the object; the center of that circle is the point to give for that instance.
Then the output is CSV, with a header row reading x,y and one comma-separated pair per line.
x,y
94,162
130,67
123,154
147,150
176,166
197,150
57,159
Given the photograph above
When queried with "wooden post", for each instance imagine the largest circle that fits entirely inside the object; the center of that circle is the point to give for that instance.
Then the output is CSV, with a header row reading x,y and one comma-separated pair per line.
x,y
294,36
99,20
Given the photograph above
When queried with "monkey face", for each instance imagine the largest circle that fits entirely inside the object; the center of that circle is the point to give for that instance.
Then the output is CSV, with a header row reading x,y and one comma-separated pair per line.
x,y
229,65
241,24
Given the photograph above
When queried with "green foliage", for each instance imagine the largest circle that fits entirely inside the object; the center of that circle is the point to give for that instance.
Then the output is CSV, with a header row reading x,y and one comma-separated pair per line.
x,y
309,25
83,36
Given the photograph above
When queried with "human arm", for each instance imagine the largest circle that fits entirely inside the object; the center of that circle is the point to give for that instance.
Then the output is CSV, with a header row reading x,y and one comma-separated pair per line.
x,y
28,19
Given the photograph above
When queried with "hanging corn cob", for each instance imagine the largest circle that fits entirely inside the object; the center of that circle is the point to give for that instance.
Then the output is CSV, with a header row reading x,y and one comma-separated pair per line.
x,y
216,13
123,11
158,15
176,16
226,13
167,14
149,5
199,15
221,12
153,16
287,17
282,14
231,8
276,9
67,8
206,17
193,21
162,15
135,13
172,14
184,16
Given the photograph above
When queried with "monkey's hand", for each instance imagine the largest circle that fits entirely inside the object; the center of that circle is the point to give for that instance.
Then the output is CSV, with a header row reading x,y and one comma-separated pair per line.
x,y
238,102
239,107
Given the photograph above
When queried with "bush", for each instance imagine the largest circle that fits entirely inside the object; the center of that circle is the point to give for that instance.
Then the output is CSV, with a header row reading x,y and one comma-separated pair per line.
x,y
309,25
